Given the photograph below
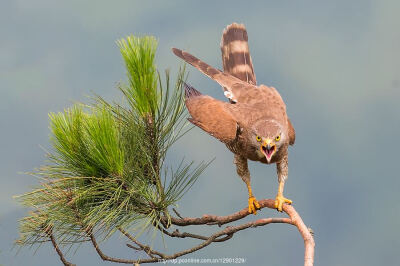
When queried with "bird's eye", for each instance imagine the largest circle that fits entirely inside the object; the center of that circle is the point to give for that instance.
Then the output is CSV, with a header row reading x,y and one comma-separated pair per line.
x,y
278,138
258,138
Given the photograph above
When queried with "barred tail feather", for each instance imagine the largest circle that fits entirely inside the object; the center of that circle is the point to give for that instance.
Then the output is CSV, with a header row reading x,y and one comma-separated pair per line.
x,y
236,57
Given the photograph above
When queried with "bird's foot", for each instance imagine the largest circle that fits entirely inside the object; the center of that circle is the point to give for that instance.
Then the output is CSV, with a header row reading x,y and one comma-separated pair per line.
x,y
253,205
279,200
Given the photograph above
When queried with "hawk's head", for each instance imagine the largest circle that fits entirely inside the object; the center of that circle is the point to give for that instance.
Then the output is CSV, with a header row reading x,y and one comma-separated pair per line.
x,y
268,136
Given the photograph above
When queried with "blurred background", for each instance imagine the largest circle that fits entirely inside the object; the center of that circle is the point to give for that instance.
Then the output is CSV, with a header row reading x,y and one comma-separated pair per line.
x,y
336,65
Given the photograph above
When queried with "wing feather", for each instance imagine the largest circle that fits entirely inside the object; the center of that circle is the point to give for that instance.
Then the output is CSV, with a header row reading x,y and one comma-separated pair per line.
x,y
291,133
230,83
236,89
210,115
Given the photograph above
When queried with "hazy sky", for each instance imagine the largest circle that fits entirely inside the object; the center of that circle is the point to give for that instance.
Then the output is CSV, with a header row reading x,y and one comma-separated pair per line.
x,y
335,63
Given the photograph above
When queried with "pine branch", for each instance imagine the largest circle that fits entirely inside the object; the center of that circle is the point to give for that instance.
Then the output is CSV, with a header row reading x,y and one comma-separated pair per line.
x,y
220,236
107,159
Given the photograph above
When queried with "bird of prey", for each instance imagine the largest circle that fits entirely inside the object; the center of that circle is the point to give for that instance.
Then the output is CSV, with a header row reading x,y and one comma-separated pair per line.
x,y
253,124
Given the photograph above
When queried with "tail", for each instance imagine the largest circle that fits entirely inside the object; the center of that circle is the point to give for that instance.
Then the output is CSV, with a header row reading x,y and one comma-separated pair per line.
x,y
236,57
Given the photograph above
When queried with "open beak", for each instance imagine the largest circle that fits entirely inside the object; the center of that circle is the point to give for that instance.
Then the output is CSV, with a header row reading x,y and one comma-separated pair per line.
x,y
268,148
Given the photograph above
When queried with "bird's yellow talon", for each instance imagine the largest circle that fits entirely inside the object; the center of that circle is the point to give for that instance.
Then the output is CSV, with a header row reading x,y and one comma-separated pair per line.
x,y
253,205
257,205
279,200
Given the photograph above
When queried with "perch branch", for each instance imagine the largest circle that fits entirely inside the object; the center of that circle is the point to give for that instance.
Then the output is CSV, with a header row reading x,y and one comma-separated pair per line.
x,y
295,220
308,238
220,220
223,235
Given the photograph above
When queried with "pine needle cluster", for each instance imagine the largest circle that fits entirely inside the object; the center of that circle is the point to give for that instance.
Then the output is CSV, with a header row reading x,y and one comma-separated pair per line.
x,y
106,166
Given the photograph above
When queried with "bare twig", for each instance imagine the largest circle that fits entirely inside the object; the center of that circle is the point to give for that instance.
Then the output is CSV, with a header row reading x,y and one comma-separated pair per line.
x,y
147,249
139,249
177,213
133,247
58,250
178,234
108,258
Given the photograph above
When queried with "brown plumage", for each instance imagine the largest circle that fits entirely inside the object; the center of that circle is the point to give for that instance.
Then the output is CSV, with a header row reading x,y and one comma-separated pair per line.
x,y
236,57
254,125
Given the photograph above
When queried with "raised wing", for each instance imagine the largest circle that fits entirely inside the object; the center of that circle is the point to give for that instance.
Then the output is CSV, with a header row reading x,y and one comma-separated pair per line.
x,y
236,89
231,84
210,115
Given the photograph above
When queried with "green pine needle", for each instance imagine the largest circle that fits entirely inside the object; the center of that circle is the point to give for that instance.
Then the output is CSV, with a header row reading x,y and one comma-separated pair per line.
x,y
106,167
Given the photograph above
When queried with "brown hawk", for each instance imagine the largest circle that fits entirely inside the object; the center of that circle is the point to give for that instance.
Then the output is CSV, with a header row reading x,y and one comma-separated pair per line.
x,y
254,125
